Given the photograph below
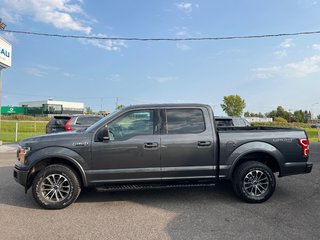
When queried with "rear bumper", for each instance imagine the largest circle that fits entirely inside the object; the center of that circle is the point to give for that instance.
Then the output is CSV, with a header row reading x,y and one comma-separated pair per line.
x,y
309,167
292,168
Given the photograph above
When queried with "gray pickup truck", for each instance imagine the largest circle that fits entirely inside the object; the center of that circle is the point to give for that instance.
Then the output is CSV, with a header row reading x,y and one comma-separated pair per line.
x,y
151,146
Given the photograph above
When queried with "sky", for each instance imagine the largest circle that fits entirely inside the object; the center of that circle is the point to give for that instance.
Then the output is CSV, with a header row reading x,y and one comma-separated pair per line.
x,y
265,72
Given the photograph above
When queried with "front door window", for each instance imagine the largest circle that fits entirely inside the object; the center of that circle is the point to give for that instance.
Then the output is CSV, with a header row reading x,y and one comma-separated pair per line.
x,y
132,124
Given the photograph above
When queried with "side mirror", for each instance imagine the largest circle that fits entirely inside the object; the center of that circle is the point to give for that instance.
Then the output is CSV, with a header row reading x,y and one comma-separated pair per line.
x,y
103,135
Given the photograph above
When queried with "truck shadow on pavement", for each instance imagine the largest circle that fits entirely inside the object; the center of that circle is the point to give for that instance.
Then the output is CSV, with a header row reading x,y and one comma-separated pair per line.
x,y
11,193
195,213
222,191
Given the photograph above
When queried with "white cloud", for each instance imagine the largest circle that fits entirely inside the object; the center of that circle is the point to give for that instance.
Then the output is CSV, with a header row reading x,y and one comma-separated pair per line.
x,y
60,13
185,6
69,75
281,53
48,67
163,79
288,43
182,31
183,46
40,70
36,72
114,77
8,36
316,46
304,68
284,46
110,45
8,16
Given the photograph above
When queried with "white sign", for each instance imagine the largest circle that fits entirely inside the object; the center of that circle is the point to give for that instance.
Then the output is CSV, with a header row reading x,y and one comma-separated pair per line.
x,y
5,53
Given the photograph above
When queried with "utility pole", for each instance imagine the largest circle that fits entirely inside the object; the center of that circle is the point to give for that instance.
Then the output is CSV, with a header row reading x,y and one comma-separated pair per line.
x,y
117,102
101,102
0,104
2,27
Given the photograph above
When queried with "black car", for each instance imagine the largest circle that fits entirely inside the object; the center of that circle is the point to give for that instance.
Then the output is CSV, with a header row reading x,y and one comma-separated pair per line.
x,y
71,122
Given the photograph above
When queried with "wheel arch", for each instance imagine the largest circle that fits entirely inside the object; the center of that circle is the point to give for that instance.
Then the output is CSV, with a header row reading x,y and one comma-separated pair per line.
x,y
63,160
257,151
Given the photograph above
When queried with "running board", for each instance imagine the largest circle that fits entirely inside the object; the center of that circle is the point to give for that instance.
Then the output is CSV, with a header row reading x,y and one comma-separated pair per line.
x,y
107,188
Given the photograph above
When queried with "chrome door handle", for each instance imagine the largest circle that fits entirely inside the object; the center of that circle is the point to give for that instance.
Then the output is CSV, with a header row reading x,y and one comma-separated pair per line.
x,y
204,143
150,145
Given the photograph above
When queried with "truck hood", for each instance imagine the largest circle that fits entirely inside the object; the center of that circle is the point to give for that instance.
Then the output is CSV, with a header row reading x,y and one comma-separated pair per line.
x,y
65,139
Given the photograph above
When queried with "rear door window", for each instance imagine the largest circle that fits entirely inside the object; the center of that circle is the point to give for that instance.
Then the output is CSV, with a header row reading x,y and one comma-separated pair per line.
x,y
184,121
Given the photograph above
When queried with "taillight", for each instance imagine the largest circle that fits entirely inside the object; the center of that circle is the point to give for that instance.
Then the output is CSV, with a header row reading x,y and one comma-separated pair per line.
x,y
67,127
304,143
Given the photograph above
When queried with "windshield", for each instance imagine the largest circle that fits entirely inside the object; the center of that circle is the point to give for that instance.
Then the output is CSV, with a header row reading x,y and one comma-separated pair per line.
x,y
101,121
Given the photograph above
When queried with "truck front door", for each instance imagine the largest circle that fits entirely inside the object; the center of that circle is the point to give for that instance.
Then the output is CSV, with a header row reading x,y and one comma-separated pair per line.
x,y
132,153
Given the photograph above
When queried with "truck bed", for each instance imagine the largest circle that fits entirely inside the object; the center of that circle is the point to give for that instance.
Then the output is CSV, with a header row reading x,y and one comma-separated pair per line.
x,y
269,142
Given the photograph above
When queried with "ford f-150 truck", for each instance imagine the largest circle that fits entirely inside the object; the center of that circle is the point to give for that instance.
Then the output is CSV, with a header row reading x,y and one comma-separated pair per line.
x,y
161,145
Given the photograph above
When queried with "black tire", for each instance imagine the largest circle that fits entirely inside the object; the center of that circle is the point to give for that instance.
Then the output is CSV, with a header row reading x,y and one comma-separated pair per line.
x,y
253,182
56,187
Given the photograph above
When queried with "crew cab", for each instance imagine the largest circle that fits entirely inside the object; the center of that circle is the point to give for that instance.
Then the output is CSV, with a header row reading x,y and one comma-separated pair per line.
x,y
160,145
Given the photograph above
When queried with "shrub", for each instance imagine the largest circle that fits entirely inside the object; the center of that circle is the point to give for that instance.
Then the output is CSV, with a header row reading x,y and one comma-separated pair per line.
x,y
280,119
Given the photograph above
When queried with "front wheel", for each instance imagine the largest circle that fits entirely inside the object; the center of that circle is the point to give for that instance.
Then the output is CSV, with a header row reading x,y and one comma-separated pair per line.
x,y
254,182
56,187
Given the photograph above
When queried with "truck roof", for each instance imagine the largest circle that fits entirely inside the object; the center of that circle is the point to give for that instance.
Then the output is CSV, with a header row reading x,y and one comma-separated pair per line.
x,y
166,105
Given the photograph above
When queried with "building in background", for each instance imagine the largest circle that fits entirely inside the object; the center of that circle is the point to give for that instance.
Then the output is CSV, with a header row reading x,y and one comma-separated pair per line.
x,y
258,119
50,106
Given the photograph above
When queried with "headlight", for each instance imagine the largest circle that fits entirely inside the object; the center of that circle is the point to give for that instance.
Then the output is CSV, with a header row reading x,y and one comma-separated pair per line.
x,y
22,153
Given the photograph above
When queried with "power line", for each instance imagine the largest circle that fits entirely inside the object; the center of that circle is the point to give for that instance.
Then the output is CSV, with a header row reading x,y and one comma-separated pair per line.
x,y
162,39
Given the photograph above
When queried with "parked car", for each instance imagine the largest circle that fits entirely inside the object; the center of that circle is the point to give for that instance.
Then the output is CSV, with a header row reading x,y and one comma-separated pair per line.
x,y
152,146
231,122
71,122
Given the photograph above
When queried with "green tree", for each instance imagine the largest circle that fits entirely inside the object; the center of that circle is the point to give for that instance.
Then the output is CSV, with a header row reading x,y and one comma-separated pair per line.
x,y
279,112
249,114
298,116
88,110
119,106
302,116
233,105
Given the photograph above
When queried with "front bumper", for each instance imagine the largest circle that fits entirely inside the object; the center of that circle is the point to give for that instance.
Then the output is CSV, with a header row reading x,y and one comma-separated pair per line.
x,y
21,176
292,168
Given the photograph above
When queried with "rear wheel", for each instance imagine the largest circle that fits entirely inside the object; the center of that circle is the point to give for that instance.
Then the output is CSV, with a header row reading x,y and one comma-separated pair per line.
x,y
254,182
56,187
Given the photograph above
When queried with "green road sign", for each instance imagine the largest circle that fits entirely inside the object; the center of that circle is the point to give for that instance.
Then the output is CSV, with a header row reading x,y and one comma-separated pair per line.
x,y
12,110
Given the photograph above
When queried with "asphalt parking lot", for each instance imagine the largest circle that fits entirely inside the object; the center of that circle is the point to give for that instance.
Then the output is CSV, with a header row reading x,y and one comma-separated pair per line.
x,y
198,213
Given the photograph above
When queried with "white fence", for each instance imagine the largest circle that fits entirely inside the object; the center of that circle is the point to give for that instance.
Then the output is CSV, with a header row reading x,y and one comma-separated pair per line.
x,y
14,131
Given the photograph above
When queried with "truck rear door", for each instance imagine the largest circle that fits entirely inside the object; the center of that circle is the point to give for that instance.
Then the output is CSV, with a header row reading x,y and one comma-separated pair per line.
x,y
187,144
